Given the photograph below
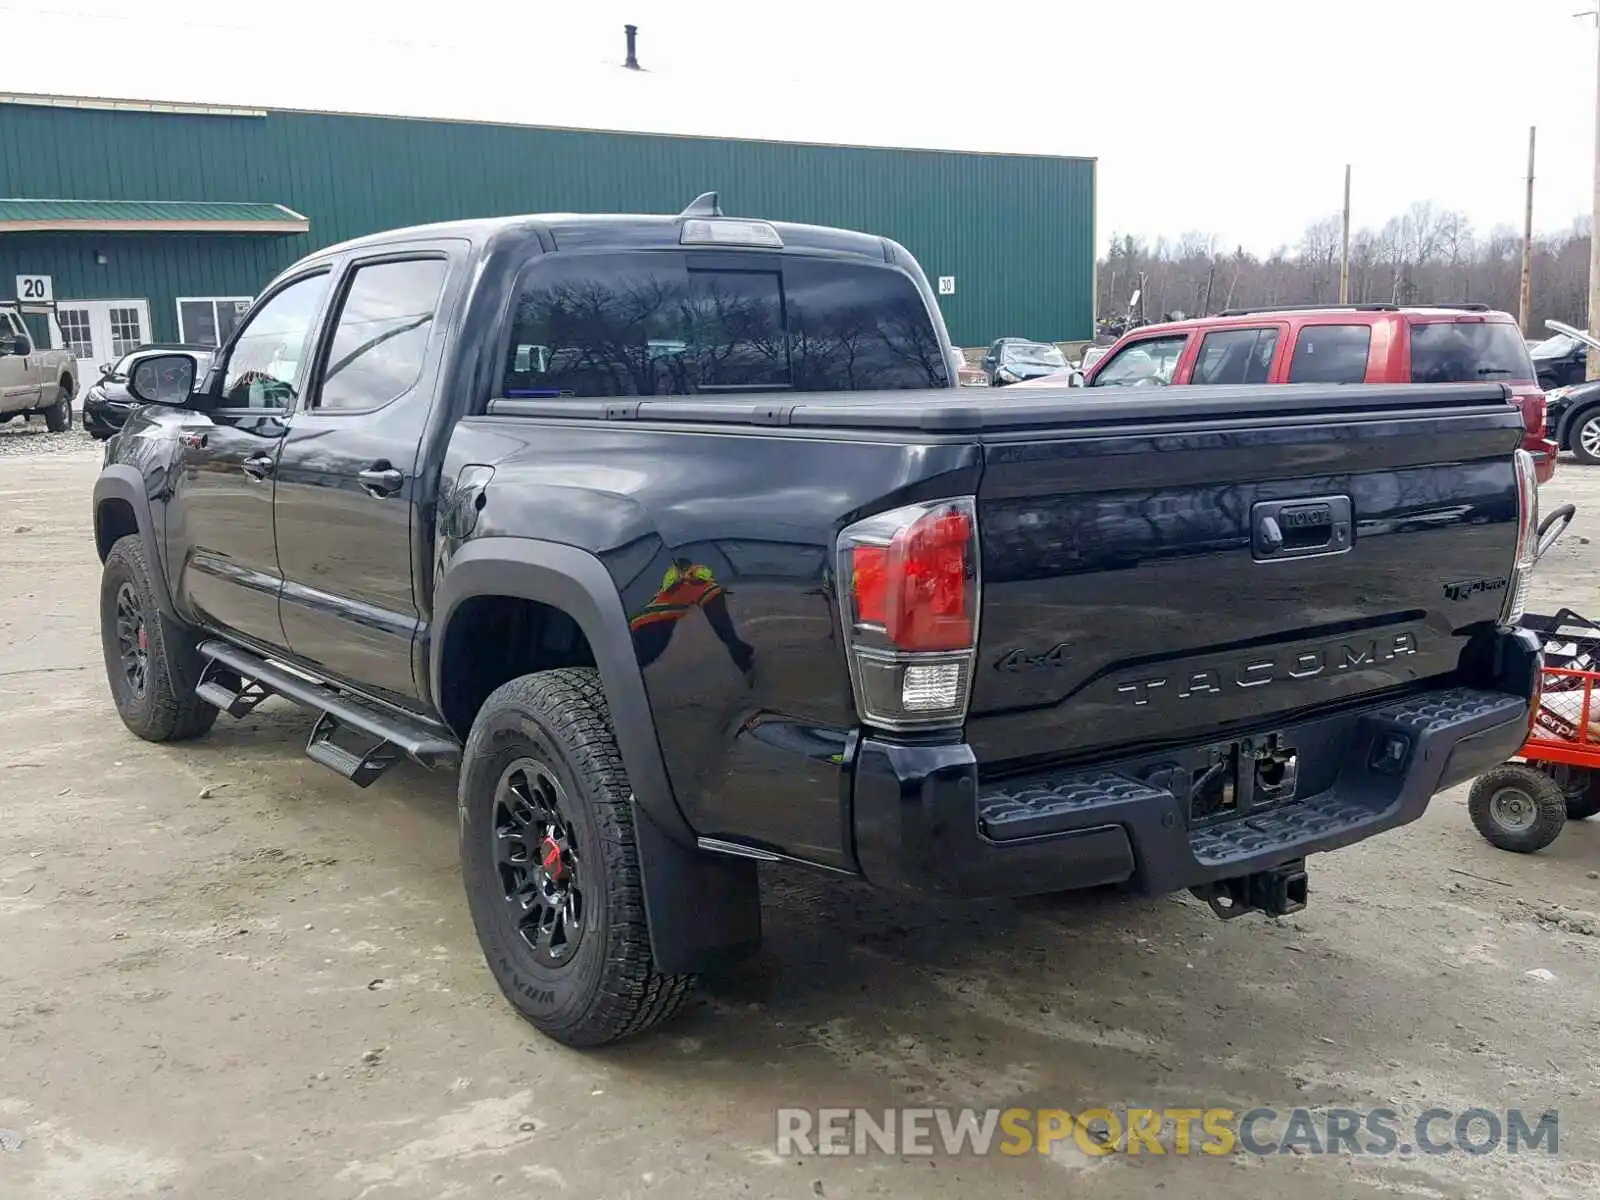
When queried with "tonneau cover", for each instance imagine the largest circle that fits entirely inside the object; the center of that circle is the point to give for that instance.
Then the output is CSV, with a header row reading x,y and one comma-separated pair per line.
x,y
955,410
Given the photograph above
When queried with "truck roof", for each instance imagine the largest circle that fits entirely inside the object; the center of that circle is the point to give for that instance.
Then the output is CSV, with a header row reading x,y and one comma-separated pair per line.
x,y
624,231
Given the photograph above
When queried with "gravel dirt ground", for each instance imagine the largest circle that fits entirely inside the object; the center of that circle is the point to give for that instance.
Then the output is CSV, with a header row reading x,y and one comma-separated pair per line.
x,y
225,972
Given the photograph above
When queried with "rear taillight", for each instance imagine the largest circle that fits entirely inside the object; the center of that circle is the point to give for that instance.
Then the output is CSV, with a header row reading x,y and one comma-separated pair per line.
x,y
908,597
1534,408
1527,538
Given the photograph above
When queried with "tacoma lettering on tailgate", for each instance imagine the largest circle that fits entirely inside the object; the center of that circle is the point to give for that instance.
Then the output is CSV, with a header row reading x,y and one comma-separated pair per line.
x,y
1262,668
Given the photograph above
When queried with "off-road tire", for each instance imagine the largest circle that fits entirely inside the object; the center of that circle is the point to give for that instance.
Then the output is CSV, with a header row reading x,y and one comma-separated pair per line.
x,y
167,710
58,417
1582,807
1580,786
1525,785
610,988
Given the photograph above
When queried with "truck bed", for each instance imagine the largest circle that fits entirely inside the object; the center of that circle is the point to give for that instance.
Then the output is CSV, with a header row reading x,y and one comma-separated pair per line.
x,y
1127,595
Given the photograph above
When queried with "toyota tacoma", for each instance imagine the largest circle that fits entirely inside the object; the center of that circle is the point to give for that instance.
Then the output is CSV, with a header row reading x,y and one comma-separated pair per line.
x,y
675,538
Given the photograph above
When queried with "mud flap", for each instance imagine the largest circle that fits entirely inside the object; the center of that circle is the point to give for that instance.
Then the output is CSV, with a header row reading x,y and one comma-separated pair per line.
x,y
704,909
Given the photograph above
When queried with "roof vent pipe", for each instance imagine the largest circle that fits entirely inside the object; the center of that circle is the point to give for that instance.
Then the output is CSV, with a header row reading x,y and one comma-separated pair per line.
x,y
632,62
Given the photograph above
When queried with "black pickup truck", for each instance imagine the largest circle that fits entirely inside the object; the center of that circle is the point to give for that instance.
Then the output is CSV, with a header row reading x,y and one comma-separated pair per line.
x,y
674,535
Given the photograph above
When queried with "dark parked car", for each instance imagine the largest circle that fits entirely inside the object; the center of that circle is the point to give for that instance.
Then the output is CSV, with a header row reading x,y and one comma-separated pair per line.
x,y
107,401
1561,361
1574,408
600,512
1011,360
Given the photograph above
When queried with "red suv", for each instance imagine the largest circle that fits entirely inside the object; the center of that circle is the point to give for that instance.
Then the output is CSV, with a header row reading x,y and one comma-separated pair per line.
x,y
1359,343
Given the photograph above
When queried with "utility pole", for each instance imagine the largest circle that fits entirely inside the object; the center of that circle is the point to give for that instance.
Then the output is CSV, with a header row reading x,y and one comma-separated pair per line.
x,y
1344,251
1593,371
1525,292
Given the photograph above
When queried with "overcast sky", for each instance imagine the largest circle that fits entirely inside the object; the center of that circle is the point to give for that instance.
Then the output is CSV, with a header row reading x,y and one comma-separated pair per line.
x,y
1234,117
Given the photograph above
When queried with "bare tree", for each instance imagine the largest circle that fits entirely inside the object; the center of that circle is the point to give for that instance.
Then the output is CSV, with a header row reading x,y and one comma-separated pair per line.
x,y
1425,255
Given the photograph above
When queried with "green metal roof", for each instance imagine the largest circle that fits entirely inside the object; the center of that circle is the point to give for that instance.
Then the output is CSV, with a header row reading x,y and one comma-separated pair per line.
x,y
153,216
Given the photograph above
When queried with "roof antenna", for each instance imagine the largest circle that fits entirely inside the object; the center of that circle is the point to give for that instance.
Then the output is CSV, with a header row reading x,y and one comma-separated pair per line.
x,y
632,62
704,205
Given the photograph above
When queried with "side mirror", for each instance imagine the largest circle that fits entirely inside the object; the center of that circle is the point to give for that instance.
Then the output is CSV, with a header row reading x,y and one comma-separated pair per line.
x,y
16,343
1075,379
163,379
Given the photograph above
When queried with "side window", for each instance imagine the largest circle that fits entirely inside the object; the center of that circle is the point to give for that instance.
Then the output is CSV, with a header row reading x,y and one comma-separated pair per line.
x,y
1150,363
267,366
1331,354
381,337
1236,356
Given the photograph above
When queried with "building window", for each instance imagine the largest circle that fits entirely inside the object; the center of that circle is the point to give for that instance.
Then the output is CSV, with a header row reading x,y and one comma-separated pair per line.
x,y
126,332
208,320
74,325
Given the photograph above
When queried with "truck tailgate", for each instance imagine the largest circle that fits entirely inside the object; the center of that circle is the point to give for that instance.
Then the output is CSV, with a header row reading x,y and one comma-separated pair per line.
x,y
1212,559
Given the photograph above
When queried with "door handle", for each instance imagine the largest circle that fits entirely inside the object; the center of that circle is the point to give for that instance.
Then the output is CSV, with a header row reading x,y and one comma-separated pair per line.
x,y
381,481
257,466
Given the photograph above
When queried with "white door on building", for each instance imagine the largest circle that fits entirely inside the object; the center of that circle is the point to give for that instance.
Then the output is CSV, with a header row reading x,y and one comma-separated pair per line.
x,y
99,332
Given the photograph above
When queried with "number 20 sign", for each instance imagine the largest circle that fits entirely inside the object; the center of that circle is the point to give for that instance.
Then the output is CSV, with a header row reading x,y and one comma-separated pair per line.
x,y
35,288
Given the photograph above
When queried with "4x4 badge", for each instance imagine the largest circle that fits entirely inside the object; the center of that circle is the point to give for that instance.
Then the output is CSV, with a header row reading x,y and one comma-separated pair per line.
x,y
1474,587
1021,660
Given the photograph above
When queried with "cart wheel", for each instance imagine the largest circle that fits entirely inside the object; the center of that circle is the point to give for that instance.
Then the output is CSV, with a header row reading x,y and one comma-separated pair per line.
x,y
1517,807
1580,786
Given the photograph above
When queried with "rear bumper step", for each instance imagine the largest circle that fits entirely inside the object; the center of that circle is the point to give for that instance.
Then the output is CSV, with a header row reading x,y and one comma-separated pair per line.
x,y
924,821
236,680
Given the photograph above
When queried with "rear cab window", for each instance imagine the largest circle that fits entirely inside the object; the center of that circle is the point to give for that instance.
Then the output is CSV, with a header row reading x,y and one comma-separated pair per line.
x,y
1456,351
663,323
1150,362
1331,354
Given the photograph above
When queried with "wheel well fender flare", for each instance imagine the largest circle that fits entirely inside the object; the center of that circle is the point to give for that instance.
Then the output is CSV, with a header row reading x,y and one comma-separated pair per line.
x,y
703,910
121,484
576,582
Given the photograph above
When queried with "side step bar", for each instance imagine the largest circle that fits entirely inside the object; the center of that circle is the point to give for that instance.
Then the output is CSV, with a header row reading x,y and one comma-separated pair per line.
x,y
236,681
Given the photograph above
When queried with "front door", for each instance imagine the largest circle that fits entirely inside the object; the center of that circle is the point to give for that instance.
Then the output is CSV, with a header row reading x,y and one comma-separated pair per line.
x,y
19,382
219,518
347,489
98,332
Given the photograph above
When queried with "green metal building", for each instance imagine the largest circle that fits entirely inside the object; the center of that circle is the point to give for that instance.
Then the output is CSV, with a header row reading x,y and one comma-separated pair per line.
x,y
159,222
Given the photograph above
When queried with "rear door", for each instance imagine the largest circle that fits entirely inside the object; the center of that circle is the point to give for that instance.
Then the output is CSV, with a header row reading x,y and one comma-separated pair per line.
x,y
347,487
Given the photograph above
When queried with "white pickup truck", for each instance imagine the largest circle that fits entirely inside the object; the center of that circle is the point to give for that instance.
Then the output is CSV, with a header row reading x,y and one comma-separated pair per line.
x,y
33,380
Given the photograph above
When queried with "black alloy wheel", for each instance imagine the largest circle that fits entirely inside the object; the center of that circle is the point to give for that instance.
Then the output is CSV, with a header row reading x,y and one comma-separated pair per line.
x,y
536,856
133,640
